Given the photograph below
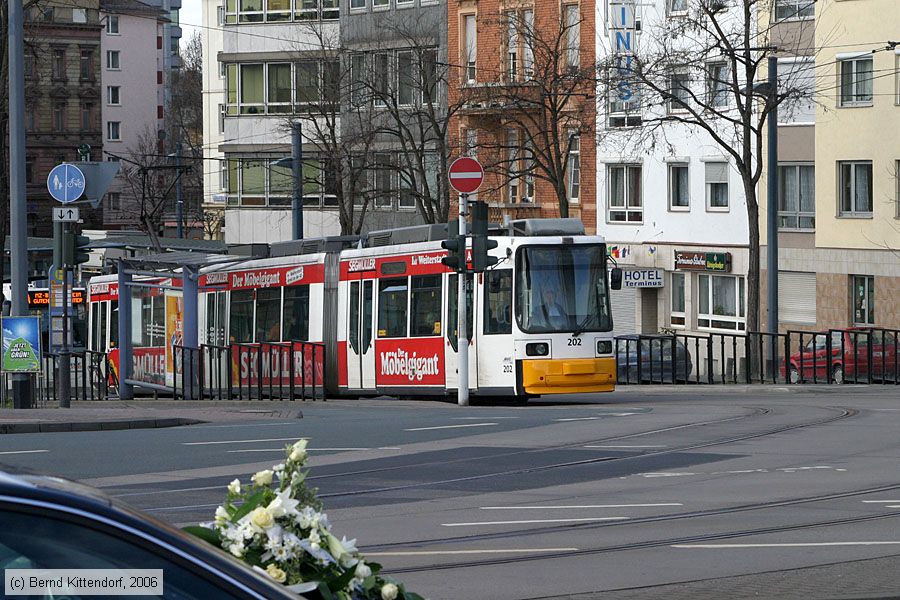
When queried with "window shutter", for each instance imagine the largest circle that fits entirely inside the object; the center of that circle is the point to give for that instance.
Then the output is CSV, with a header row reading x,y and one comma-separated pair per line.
x,y
797,297
716,172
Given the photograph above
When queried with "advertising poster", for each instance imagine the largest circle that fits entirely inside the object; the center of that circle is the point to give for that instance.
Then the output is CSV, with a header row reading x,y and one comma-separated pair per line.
x,y
174,332
21,345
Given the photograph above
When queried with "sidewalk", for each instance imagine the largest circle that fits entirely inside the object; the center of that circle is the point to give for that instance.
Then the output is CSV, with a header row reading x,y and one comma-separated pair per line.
x,y
142,414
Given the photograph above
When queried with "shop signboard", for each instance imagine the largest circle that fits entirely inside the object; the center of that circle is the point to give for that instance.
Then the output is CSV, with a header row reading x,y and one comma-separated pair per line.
x,y
703,261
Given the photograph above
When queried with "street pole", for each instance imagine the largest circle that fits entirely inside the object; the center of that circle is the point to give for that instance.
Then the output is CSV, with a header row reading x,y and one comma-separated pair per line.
x,y
179,193
64,364
297,188
462,366
18,232
772,202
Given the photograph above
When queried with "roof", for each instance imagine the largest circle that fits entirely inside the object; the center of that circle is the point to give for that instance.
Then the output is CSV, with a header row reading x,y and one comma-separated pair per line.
x,y
175,260
35,244
129,6
139,241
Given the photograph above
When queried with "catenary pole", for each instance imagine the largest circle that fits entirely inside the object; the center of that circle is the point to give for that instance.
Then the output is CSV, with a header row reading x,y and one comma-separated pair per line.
x,y
18,249
297,172
179,193
462,318
772,202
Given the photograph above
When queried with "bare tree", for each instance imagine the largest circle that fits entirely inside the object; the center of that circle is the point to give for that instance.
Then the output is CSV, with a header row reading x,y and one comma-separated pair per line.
x,y
546,97
704,70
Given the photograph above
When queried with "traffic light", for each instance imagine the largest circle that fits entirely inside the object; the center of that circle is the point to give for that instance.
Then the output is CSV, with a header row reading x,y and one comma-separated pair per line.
x,y
480,242
75,250
456,253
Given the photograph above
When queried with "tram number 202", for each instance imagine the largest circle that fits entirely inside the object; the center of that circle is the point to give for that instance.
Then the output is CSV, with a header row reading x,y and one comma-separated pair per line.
x,y
574,341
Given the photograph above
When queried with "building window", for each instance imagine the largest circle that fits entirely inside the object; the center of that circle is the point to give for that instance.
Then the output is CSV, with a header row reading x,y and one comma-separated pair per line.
x,y
113,131
405,78
676,6
797,79
380,4
384,181
113,201
259,182
174,46
113,95
677,314
380,75
796,197
58,64
252,89
717,186
29,66
721,302
625,195
112,60
29,169
679,91
79,15
856,81
428,74
221,70
718,79
87,65
679,193
278,88
856,188
512,46
471,47
470,141
514,169
862,298
87,116
222,118
59,116
357,4
573,36
794,9
112,24
251,11
519,46
358,77
312,9
574,170
403,3
220,15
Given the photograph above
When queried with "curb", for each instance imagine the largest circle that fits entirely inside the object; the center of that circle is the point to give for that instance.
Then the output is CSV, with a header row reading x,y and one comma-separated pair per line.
x,y
96,425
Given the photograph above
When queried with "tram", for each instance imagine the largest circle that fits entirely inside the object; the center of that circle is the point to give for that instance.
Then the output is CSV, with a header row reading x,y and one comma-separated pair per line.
x,y
385,309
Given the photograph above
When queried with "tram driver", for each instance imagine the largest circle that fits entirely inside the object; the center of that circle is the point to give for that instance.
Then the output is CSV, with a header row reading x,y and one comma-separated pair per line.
x,y
551,314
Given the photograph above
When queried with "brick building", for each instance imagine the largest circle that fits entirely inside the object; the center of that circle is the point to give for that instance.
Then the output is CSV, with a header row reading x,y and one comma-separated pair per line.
x,y
62,99
524,91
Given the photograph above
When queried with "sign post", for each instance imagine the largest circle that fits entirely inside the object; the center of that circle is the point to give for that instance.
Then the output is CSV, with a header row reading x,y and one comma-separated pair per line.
x,y
466,176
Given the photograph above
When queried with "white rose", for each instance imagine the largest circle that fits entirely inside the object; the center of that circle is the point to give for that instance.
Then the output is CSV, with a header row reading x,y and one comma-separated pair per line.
x,y
236,549
300,445
262,518
314,538
262,477
297,455
389,591
235,487
363,570
276,573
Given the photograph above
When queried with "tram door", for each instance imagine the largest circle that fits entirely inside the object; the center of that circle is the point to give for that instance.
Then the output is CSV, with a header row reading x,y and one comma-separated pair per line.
x,y
360,338
451,342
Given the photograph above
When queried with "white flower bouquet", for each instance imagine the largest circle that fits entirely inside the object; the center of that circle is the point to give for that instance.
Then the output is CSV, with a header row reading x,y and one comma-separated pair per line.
x,y
276,525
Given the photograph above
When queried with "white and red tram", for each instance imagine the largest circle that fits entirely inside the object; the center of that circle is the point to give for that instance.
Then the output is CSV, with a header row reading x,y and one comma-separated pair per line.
x,y
540,320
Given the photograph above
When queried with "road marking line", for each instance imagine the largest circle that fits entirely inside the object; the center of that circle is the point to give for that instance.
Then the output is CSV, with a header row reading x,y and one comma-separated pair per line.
x,y
577,419
24,451
880,501
243,425
531,521
786,545
574,506
892,506
440,552
282,450
163,508
287,439
479,418
151,492
450,426
626,446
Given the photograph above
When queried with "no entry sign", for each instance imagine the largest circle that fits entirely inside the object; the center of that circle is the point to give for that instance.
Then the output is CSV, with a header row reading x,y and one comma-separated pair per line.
x,y
466,175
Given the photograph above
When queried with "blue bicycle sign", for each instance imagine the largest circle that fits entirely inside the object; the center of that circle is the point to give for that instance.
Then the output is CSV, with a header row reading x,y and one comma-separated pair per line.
x,y
66,183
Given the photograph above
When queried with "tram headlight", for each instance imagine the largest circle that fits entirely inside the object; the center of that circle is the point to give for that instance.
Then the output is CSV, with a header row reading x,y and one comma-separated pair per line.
x,y
537,349
604,346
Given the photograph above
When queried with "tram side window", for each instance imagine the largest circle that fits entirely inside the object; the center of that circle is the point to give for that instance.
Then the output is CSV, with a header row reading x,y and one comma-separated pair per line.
x,y
95,329
498,302
240,327
426,305
392,307
158,328
113,325
296,313
353,318
268,315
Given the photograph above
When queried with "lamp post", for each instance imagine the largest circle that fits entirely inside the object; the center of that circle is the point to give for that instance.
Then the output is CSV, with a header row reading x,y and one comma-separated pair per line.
x,y
296,163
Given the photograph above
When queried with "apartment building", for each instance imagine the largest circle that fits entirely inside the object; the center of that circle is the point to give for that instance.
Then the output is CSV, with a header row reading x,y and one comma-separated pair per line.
x,y
214,167
839,187
133,98
521,90
62,99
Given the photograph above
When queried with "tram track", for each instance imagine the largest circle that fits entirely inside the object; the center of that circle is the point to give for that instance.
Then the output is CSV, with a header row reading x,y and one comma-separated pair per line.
x,y
843,413
706,537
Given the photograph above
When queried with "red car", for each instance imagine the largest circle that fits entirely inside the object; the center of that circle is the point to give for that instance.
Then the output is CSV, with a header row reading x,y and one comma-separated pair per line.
x,y
850,359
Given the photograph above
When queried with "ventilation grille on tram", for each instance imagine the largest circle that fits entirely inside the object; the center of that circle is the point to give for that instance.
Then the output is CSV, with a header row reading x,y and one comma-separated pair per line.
x,y
538,227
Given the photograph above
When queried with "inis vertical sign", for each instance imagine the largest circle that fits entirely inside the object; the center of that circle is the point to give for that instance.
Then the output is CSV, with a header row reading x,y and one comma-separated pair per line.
x,y
623,39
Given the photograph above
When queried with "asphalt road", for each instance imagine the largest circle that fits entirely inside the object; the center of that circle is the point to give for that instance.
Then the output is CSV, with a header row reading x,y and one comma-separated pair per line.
x,y
645,493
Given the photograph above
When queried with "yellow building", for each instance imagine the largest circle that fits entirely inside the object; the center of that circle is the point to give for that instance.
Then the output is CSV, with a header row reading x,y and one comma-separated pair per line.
x,y
839,264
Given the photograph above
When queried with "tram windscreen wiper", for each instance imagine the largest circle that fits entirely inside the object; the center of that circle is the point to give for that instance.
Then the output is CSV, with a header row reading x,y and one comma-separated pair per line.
x,y
582,326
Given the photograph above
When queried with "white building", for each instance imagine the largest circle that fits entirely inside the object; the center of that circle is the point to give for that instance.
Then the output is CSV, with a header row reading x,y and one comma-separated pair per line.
x,y
214,172
273,60
666,192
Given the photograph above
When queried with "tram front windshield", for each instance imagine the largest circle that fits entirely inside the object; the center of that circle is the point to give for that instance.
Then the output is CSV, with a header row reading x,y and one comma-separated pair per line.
x,y
562,289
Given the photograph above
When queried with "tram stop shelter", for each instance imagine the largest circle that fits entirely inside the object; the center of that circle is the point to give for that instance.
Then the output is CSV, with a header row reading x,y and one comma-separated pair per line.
x,y
151,271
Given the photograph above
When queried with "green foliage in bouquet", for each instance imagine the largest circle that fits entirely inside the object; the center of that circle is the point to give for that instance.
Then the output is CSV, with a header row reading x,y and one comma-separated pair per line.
x,y
276,525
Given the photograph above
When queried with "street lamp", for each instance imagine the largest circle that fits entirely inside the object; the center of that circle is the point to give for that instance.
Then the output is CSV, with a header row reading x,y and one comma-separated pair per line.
x,y
295,161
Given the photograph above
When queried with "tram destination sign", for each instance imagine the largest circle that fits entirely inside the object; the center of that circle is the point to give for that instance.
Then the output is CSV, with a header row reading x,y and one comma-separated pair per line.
x,y
703,261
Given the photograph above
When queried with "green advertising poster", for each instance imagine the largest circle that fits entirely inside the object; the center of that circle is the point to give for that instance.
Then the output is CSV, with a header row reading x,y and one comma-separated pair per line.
x,y
21,345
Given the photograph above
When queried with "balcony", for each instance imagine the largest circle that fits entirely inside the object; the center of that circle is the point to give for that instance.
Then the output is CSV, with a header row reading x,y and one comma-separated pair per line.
x,y
497,211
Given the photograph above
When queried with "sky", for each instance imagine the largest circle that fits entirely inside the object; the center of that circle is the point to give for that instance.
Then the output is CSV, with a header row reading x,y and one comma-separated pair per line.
x,y
191,14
